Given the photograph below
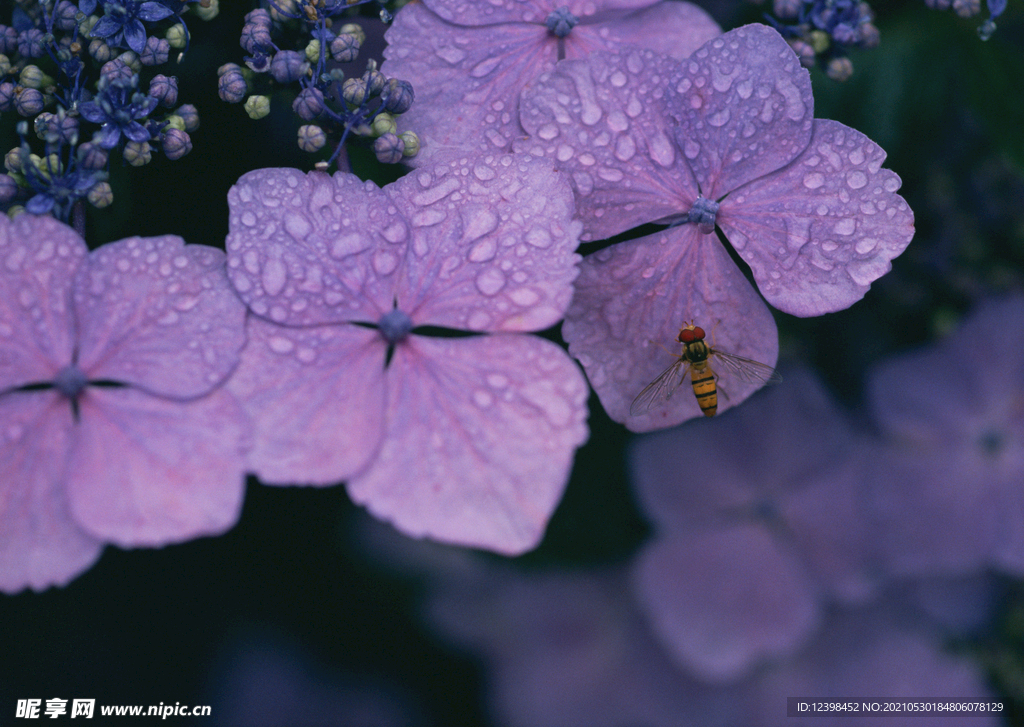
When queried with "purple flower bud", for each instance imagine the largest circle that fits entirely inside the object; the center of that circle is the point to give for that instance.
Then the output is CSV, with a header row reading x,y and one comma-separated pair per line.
x,y
100,51
164,89
28,101
137,153
255,38
189,115
92,156
100,195
31,44
260,18
176,143
804,51
311,138
561,22
353,90
308,104
8,40
8,188
966,8
46,127
375,82
345,48
288,66
839,68
65,16
69,129
6,96
116,70
231,86
398,96
786,9
389,148
156,52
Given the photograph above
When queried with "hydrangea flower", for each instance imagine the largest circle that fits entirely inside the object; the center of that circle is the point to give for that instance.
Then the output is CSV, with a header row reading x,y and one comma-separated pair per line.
x,y
121,25
870,655
113,425
727,138
466,439
756,530
468,61
948,490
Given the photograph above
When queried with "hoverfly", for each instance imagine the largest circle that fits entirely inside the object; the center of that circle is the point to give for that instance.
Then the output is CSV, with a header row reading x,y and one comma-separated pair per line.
x,y
698,357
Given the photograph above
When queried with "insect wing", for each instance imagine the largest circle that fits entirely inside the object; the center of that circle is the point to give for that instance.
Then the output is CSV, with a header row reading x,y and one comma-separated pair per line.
x,y
745,369
661,389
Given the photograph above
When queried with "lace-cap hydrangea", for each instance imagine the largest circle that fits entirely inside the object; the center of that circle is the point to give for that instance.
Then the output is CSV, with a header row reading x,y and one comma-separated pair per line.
x,y
948,492
468,61
465,439
726,138
115,428
750,549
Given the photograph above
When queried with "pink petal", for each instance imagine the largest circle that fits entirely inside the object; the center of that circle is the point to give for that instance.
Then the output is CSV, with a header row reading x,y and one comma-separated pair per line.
x,y
723,600
745,108
480,439
603,121
467,79
40,543
306,249
38,258
491,246
818,233
674,28
631,300
145,471
158,314
316,398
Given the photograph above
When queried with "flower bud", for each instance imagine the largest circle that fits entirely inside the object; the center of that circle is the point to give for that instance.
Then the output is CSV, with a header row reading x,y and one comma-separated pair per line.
x,y
354,29
312,51
345,48
208,12
384,123
839,68
164,89
190,115
92,156
100,195
100,51
176,143
257,106
397,96
156,52
8,188
354,91
412,143
137,153
288,66
177,36
311,138
389,149
231,85
28,101
308,104
33,77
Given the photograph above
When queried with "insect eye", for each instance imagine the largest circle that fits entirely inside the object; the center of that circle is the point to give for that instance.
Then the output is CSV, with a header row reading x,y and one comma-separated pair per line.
x,y
687,335
698,333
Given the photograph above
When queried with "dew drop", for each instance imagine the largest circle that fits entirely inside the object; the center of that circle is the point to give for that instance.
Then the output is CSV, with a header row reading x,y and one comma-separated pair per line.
x,y
280,344
625,148
483,251
482,399
524,296
547,132
814,180
348,244
274,276
297,226
856,179
845,226
490,281
719,118
384,262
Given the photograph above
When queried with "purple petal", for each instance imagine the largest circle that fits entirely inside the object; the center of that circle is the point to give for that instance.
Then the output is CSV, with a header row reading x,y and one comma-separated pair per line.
x,y
40,204
40,543
135,35
136,132
146,471
818,233
468,13
311,249
109,135
480,439
867,655
631,300
38,258
153,11
467,80
604,123
934,515
91,111
105,27
158,314
491,244
673,28
723,600
745,108
316,398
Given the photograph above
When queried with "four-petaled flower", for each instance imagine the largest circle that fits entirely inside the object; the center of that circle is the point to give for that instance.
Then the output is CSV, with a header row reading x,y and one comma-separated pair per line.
x,y
121,25
114,425
726,137
118,108
467,438
469,61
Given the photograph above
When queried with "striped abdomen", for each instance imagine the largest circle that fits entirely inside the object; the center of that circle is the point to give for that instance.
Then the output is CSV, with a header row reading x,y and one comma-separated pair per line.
x,y
704,387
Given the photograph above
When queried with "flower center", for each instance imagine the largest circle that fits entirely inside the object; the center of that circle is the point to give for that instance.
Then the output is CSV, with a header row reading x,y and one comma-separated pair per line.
x,y
70,381
561,21
703,214
394,326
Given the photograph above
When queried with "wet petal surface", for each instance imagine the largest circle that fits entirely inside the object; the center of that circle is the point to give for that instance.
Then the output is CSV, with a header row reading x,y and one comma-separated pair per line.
x,y
480,439
158,314
490,244
818,233
631,300
316,398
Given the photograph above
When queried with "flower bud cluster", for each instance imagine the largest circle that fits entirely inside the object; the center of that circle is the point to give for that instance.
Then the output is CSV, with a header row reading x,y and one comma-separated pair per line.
x,y
78,73
822,32
970,9
333,108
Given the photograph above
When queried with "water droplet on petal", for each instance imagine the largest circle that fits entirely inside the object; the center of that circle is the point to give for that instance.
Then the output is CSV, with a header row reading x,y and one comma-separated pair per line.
x,y
274,276
814,180
490,281
280,344
547,132
856,179
483,251
845,226
384,262
482,399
